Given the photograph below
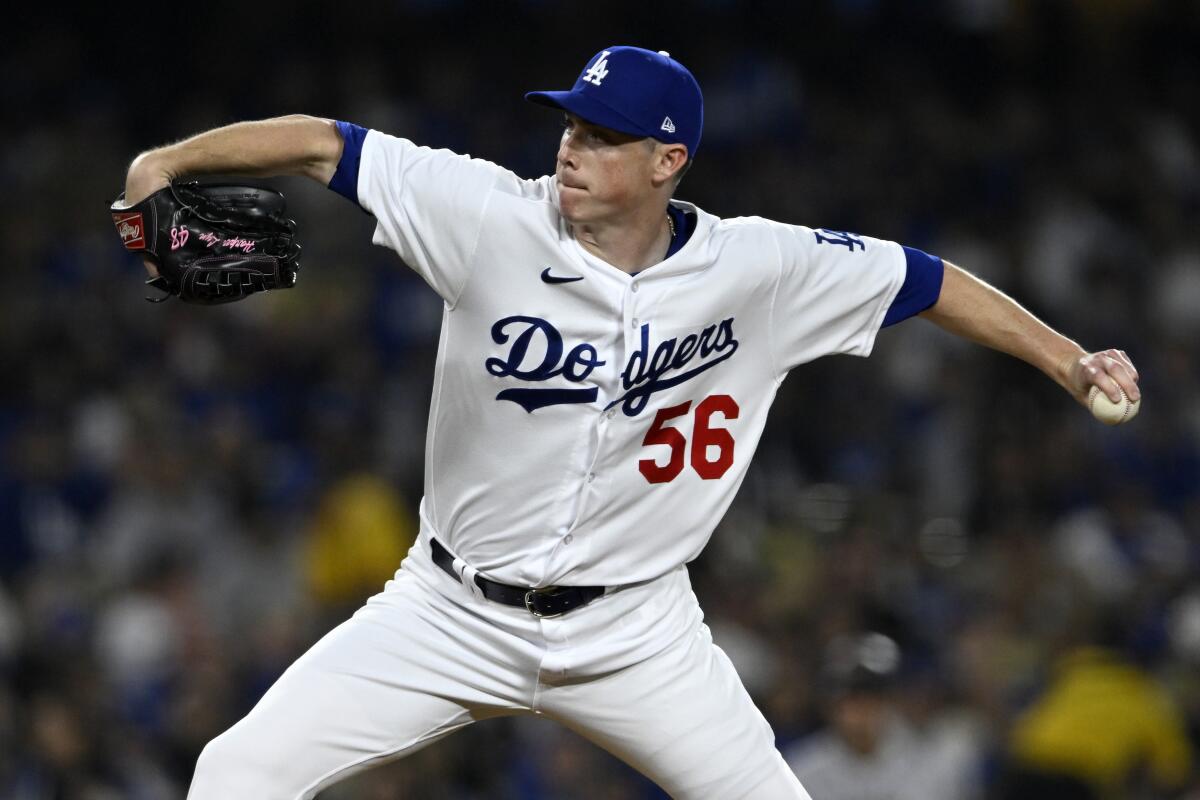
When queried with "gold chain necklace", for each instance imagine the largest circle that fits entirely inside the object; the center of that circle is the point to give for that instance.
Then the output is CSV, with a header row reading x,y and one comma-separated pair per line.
x,y
671,225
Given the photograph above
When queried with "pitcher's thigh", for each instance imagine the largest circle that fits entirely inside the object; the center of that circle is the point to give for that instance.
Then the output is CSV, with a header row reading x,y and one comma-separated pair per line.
x,y
381,685
684,720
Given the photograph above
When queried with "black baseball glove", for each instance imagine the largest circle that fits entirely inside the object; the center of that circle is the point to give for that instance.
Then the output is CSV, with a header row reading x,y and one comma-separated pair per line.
x,y
212,243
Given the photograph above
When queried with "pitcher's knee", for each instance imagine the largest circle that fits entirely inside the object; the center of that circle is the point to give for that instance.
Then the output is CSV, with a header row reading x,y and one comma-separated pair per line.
x,y
232,769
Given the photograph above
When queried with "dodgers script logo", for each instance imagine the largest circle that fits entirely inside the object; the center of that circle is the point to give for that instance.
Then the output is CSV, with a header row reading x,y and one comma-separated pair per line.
x,y
672,362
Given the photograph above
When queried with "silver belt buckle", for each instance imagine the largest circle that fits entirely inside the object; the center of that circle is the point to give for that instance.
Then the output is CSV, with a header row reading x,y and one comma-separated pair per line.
x,y
533,610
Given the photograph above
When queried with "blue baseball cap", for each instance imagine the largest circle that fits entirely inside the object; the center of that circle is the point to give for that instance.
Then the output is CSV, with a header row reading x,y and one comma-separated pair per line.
x,y
635,91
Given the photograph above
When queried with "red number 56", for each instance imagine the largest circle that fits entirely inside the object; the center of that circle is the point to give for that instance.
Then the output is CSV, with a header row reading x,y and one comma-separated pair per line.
x,y
703,438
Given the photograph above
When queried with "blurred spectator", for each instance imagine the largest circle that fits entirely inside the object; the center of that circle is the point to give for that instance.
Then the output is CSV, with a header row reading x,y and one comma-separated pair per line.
x,y
64,759
361,531
1102,727
871,750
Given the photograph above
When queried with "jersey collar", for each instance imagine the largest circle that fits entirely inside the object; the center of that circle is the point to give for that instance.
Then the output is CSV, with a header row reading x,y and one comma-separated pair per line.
x,y
687,257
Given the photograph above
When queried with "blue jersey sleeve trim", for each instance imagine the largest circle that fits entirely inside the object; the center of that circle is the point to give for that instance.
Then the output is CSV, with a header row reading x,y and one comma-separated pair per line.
x,y
921,288
345,179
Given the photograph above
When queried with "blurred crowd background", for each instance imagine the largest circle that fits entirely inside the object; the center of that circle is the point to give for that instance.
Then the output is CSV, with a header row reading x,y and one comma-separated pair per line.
x,y
941,579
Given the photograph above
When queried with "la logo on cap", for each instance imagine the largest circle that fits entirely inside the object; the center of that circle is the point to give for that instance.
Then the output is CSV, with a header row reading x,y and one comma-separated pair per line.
x,y
598,71
647,94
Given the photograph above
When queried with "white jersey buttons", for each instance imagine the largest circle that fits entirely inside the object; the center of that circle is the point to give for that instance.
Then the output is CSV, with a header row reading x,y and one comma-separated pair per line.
x,y
610,413
591,477
634,287
568,538
635,322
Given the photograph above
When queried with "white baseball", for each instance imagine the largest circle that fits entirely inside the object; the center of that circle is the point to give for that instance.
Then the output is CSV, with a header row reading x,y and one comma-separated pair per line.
x,y
1111,413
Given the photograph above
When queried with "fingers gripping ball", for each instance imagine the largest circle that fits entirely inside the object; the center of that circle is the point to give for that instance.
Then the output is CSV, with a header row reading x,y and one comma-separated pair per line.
x,y
1111,413
212,243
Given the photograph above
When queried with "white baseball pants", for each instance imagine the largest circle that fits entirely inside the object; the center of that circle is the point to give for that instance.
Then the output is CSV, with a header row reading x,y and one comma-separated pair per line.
x,y
635,672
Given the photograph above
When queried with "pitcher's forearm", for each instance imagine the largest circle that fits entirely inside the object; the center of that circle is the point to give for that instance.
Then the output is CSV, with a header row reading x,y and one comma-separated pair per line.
x,y
292,145
972,309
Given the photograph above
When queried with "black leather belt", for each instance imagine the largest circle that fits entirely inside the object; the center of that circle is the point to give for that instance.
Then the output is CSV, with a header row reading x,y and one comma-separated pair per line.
x,y
550,602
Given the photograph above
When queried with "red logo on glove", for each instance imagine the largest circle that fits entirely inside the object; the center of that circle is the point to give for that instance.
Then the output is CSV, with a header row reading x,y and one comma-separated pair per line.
x,y
131,229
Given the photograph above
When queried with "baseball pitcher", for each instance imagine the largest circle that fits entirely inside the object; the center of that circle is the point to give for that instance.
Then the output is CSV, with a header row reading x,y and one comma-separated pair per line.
x,y
608,356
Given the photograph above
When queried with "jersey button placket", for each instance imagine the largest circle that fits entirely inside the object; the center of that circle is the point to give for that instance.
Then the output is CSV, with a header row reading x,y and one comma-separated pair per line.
x,y
630,311
632,333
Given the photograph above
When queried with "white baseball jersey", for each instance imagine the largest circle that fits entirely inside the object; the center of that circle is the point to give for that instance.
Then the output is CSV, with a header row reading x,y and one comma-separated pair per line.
x,y
589,427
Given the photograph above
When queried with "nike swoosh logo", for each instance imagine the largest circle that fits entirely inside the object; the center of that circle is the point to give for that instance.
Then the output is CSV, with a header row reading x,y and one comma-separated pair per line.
x,y
548,278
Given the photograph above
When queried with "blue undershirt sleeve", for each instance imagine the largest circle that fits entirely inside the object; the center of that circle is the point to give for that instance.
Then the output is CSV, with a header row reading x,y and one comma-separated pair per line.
x,y
345,179
921,288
